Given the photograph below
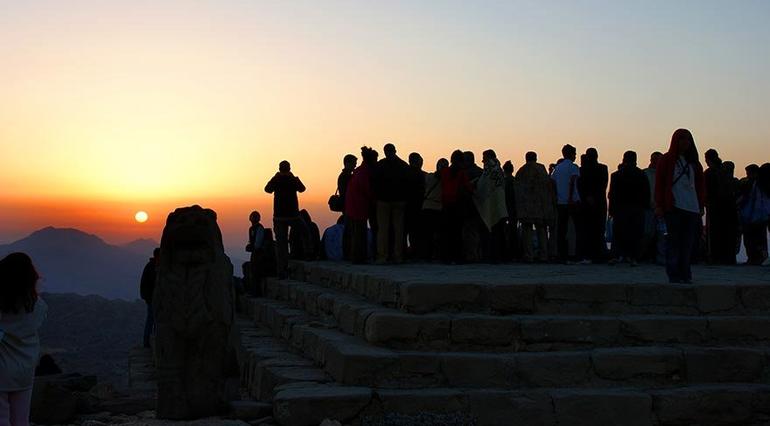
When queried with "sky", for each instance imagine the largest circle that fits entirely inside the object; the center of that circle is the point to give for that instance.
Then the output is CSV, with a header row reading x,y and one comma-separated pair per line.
x,y
108,108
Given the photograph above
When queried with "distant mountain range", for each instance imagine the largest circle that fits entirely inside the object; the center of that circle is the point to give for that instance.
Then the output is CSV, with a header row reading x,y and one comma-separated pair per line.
x,y
72,261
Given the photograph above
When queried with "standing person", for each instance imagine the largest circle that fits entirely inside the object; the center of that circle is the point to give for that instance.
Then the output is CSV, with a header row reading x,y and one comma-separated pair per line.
x,y
593,207
753,222
256,250
679,195
22,312
721,213
391,180
359,204
414,228
456,194
146,290
653,242
512,224
490,202
474,233
285,186
534,202
565,176
629,197
348,165
431,212
763,180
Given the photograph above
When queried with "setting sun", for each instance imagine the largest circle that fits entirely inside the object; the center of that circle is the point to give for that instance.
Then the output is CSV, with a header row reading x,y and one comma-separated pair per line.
x,y
141,216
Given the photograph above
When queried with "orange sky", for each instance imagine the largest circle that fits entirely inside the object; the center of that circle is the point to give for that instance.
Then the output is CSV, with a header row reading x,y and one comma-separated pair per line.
x,y
111,107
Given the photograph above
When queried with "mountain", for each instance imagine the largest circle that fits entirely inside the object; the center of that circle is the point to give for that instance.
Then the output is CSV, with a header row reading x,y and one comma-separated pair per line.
x,y
92,335
72,261
142,246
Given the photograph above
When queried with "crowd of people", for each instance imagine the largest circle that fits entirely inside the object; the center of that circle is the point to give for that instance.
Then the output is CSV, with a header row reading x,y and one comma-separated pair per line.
x,y
572,211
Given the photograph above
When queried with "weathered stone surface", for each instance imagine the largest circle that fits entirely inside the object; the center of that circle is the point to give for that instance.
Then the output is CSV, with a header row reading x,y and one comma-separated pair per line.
x,y
506,408
570,329
585,292
602,408
662,295
628,363
662,329
249,410
553,369
194,308
52,402
512,298
737,365
707,405
739,328
484,330
714,298
309,406
478,370
755,297
421,297
270,377
422,400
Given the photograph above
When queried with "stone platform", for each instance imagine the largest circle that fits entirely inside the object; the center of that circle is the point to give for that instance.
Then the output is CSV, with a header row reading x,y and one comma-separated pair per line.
x,y
510,345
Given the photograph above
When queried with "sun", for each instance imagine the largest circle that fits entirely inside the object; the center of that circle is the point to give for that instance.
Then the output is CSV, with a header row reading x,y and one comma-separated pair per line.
x,y
141,216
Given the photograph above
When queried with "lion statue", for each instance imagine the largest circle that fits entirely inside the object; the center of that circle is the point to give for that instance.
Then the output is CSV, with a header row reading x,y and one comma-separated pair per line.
x,y
194,308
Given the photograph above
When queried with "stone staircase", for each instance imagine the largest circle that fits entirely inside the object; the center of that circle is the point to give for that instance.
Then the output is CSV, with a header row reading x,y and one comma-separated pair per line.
x,y
351,344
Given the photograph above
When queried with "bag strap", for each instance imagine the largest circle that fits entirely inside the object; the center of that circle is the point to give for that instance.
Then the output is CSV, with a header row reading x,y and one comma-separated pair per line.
x,y
425,196
682,173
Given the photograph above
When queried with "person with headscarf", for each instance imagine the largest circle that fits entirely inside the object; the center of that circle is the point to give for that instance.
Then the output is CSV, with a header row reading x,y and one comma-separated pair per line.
x,y
534,207
490,202
679,199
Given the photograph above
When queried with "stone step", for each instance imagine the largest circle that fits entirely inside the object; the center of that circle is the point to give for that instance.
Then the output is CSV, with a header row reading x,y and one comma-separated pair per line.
x,y
521,295
390,327
743,404
267,362
352,361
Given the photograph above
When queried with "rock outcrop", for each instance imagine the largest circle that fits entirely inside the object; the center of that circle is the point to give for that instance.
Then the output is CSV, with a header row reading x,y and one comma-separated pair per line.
x,y
194,306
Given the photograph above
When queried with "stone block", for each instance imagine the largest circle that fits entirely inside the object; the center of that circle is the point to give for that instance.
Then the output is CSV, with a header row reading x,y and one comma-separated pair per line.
x,y
512,298
311,405
478,370
570,330
591,293
629,363
602,408
511,408
422,400
739,328
704,405
249,410
484,330
756,297
713,365
271,376
715,298
385,326
661,295
421,297
554,369
665,329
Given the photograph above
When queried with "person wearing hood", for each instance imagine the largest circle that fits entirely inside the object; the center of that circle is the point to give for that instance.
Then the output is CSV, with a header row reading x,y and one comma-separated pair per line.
x,y
22,313
679,197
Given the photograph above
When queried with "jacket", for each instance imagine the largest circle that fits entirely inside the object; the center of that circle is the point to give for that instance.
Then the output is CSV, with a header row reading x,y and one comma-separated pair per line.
x,y
629,190
285,186
358,197
535,198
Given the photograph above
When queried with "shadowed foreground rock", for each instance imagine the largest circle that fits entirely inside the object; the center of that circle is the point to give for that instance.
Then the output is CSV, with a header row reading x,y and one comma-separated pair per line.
x,y
194,313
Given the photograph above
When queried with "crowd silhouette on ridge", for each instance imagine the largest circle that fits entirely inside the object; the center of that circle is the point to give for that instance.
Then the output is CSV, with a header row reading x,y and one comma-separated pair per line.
x,y
393,211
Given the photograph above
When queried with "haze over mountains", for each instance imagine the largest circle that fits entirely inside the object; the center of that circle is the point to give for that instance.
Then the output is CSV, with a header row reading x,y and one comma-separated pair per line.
x,y
72,261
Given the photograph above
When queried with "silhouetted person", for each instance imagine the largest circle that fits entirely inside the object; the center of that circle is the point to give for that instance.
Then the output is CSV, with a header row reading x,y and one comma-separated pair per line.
x,y
431,212
456,193
305,243
285,186
654,241
534,207
47,366
489,199
256,249
565,176
679,196
331,241
22,313
763,180
349,164
146,290
721,212
512,223
752,215
592,185
391,183
416,188
628,198
359,204
474,234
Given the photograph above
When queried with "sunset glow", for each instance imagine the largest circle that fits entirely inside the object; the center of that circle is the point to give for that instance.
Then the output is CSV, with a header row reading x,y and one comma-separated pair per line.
x,y
109,108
